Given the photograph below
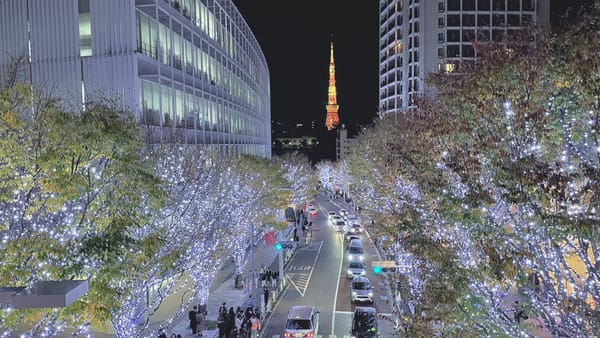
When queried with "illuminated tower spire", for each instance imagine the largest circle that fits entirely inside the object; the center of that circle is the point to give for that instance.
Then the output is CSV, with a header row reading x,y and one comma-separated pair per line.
x,y
332,119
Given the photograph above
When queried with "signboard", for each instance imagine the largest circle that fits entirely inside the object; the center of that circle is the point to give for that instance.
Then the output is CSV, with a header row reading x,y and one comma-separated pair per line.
x,y
384,264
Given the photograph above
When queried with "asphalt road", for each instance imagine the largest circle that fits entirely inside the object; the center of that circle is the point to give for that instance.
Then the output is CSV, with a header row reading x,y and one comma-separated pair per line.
x,y
316,276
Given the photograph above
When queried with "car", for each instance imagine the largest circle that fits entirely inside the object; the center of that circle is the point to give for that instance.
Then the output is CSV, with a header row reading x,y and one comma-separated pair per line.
x,y
302,321
312,211
355,228
355,268
334,219
339,226
331,213
361,290
364,323
343,212
348,237
310,206
355,250
351,218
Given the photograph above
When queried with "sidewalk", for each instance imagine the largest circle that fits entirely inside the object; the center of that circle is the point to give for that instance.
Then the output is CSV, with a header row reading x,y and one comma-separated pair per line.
x,y
223,289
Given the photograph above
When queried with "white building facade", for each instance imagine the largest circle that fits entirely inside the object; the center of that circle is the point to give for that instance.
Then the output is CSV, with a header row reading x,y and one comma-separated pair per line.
x,y
191,70
422,37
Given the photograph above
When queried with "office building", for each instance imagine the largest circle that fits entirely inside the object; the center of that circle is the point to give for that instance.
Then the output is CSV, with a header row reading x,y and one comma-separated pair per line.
x,y
422,37
190,70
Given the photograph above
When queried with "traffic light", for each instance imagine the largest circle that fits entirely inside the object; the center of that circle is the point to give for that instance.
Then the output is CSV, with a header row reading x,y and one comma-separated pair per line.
x,y
284,245
377,269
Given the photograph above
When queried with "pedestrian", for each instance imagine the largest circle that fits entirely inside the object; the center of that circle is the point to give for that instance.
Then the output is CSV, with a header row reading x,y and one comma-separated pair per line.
x,y
200,323
255,326
229,322
192,318
266,295
223,309
221,324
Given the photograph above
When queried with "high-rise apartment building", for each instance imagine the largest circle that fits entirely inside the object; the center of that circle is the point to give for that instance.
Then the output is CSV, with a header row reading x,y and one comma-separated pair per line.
x,y
191,70
426,36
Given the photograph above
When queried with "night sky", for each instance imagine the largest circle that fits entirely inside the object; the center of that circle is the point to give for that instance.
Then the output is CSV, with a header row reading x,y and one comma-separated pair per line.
x,y
295,38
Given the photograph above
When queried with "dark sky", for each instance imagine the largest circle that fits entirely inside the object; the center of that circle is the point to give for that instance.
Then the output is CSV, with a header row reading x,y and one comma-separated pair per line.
x,y
295,38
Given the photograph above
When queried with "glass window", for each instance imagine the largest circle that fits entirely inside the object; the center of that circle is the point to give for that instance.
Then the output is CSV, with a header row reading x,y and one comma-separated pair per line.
x,y
468,5
441,7
85,28
528,5
453,35
483,20
468,20
468,35
454,20
468,51
498,35
483,5
514,5
167,108
499,20
453,51
498,5
454,5
441,22
441,38
514,20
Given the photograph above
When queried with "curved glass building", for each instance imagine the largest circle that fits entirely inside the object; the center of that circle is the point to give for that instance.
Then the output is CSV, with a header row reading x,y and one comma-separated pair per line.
x,y
191,70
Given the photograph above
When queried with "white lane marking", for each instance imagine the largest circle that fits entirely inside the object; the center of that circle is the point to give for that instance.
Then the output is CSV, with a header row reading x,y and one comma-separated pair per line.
x,y
295,286
337,286
313,269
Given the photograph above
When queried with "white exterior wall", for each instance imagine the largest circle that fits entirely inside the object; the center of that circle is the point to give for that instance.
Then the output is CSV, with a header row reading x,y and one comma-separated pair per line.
x,y
429,13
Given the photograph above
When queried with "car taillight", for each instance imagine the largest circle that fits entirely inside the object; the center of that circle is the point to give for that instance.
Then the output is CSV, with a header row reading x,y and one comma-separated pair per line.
x,y
309,335
287,334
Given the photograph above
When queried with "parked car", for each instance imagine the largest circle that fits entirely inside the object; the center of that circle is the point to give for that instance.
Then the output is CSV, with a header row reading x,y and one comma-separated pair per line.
x,y
356,268
302,321
361,290
364,323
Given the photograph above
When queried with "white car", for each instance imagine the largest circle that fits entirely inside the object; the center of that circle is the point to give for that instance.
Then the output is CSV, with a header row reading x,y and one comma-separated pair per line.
x,y
334,219
339,226
343,212
331,213
351,218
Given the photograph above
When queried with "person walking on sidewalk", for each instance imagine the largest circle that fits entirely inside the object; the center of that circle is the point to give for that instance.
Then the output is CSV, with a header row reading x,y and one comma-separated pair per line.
x,y
250,304
255,326
266,296
192,318
200,323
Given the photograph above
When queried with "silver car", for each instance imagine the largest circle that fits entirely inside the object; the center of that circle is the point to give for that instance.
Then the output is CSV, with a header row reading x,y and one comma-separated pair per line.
x,y
361,290
355,268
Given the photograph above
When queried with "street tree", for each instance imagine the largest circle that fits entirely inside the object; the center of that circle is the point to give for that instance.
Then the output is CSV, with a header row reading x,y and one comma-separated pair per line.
x,y
71,189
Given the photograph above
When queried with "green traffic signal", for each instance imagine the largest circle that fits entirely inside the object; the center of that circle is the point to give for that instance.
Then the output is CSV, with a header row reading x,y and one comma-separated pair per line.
x,y
278,246
377,269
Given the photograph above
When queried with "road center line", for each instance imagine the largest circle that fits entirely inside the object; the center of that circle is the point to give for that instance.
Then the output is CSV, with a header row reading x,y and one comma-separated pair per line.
x,y
337,284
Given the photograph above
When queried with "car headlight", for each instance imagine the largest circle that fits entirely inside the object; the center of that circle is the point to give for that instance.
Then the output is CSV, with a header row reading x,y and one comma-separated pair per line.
x,y
353,293
370,294
350,257
363,272
349,272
